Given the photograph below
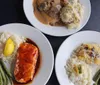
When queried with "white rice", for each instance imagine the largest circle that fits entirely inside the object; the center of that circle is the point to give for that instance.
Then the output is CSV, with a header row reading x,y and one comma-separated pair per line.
x,y
16,39
89,69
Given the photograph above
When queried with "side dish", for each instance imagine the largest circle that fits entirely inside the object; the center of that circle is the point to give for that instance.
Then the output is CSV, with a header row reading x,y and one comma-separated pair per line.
x,y
5,75
83,65
96,78
67,13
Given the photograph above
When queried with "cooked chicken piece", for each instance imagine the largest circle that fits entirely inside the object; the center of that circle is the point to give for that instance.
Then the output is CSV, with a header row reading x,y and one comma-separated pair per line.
x,y
53,12
26,63
44,6
64,2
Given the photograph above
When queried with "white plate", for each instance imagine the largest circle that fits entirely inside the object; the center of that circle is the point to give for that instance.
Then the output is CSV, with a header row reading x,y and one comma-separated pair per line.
x,y
67,48
46,51
53,30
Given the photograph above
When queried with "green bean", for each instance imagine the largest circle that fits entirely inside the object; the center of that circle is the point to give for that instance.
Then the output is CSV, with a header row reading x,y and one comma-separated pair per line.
x,y
4,67
96,75
96,83
7,78
3,76
1,81
99,82
11,81
96,78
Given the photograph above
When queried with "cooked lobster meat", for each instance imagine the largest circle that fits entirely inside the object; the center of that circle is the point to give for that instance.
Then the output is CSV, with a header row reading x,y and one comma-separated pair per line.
x,y
26,62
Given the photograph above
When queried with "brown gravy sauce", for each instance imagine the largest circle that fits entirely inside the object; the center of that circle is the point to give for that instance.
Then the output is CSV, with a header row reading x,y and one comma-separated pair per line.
x,y
38,65
42,16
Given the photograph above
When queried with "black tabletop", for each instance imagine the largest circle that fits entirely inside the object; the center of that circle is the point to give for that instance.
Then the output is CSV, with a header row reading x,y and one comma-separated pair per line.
x,y
11,11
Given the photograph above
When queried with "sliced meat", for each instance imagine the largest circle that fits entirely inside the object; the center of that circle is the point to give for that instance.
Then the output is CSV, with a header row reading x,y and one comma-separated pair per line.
x,y
26,63
53,12
44,6
64,2
51,7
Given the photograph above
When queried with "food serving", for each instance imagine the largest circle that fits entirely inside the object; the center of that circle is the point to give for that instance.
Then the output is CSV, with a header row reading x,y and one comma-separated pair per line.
x,y
19,59
83,67
67,13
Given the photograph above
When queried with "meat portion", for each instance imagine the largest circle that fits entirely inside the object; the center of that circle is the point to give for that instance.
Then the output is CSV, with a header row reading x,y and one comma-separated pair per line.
x,y
51,7
26,62
64,2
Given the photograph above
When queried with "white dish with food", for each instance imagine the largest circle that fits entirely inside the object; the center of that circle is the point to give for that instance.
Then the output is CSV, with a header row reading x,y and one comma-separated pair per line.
x,y
62,18
26,56
79,57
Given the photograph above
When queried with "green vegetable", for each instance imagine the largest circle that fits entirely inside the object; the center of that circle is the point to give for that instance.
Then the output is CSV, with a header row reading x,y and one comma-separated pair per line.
x,y
7,79
80,69
96,78
1,81
4,67
11,82
96,83
3,75
99,81
96,75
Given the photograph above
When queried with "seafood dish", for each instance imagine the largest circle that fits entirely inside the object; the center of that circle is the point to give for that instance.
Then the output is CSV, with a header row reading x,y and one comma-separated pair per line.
x,y
19,59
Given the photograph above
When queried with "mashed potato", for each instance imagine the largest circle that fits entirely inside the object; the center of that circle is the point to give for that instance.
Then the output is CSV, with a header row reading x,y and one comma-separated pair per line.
x,y
72,13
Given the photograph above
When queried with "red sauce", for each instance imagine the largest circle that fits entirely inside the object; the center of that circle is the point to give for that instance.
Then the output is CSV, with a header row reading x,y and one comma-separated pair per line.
x,y
37,65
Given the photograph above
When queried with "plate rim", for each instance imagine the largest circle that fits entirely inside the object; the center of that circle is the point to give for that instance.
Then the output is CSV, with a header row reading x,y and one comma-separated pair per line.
x,y
57,35
62,45
52,53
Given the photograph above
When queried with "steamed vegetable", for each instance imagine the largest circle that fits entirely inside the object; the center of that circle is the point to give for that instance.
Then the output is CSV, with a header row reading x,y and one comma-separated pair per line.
x,y
5,75
96,75
1,81
9,47
96,78
96,83
5,69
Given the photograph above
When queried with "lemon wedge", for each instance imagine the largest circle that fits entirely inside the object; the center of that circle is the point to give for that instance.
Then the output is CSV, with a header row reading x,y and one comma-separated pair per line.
x,y
9,47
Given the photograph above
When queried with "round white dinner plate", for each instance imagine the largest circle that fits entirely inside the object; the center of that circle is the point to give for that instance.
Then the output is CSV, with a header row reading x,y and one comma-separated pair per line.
x,y
47,56
67,48
53,30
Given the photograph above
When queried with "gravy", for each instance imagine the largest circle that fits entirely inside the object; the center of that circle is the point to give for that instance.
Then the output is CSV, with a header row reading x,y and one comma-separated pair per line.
x,y
43,17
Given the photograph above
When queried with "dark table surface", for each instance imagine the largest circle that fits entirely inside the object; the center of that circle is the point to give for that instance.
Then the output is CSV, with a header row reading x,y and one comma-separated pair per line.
x,y
11,11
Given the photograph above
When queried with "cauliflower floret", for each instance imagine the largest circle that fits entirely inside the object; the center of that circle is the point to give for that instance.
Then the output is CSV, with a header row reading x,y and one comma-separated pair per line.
x,y
67,14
